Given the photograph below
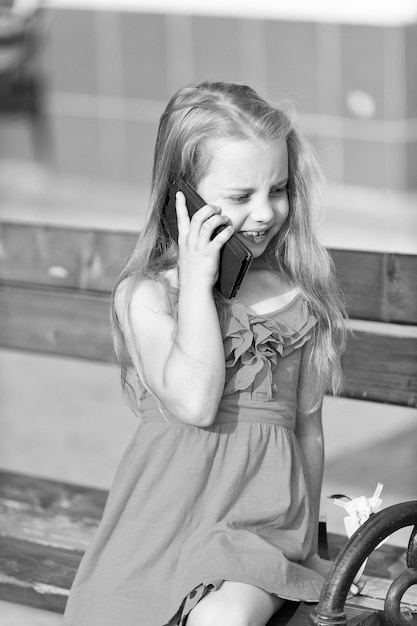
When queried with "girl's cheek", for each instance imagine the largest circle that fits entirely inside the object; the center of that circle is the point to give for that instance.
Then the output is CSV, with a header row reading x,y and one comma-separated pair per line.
x,y
283,211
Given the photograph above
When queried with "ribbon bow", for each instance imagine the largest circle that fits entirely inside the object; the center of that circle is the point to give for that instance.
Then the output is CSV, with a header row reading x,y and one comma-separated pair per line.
x,y
359,510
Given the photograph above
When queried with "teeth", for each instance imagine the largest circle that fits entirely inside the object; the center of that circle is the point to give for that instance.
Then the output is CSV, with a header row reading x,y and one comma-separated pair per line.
x,y
253,233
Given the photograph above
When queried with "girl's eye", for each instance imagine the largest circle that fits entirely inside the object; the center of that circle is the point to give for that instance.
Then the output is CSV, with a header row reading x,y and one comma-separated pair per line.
x,y
278,191
240,199
246,197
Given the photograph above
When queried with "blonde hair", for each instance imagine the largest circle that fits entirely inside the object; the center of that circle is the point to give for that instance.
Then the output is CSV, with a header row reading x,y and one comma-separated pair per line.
x,y
194,116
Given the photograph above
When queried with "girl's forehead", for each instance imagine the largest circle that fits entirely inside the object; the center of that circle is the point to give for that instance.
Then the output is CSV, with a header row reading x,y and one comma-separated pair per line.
x,y
245,155
222,148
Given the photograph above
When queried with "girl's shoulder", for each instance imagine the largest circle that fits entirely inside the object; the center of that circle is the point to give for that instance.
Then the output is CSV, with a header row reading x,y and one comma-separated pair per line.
x,y
151,292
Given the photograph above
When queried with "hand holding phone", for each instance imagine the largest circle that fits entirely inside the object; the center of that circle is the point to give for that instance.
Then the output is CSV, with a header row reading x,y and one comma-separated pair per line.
x,y
235,257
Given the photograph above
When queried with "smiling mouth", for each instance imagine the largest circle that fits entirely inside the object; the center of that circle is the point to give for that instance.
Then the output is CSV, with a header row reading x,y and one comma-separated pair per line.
x,y
257,236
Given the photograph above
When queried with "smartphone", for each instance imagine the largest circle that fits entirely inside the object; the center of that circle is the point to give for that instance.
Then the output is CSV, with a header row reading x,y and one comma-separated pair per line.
x,y
235,257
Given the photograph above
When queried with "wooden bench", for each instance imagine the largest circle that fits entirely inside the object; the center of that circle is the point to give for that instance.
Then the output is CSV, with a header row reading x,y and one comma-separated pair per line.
x,y
55,287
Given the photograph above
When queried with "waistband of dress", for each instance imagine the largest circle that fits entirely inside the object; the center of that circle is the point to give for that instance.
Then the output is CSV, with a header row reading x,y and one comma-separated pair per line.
x,y
252,416
231,411
221,419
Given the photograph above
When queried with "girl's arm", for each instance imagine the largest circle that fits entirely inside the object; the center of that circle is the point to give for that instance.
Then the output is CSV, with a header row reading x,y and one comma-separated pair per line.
x,y
309,432
183,362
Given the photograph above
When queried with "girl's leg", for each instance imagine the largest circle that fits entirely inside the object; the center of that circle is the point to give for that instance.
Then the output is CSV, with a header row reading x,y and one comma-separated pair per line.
x,y
235,604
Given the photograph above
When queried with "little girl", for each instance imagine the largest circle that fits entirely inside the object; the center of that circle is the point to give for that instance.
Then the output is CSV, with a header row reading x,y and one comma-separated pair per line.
x,y
212,518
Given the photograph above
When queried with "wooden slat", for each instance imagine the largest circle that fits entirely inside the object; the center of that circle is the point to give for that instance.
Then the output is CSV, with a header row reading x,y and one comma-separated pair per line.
x,y
36,575
65,257
380,364
60,322
49,512
378,286
355,617
45,526
377,365
53,495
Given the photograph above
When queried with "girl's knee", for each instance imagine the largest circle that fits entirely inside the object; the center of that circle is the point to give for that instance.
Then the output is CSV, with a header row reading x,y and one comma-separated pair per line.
x,y
235,604
218,616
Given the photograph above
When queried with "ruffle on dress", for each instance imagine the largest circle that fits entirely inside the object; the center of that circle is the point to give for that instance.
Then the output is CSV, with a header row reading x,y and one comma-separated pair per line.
x,y
253,343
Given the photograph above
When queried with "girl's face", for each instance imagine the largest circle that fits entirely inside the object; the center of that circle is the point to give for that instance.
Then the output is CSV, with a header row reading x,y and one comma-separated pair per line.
x,y
247,179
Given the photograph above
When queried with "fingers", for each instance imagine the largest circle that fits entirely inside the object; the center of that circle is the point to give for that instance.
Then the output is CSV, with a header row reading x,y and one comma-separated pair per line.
x,y
207,224
223,235
183,219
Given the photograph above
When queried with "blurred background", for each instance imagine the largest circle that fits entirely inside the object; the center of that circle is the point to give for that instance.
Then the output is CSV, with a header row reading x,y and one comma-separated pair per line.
x,y
82,85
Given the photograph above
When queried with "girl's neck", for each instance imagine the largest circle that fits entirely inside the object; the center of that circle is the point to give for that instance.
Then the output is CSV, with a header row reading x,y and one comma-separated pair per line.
x,y
264,291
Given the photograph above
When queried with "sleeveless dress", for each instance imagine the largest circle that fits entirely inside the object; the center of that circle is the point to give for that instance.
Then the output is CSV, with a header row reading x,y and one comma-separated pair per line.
x,y
191,507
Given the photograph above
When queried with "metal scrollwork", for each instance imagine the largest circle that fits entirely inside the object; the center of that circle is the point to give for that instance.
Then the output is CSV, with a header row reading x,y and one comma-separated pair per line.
x,y
395,593
412,550
330,610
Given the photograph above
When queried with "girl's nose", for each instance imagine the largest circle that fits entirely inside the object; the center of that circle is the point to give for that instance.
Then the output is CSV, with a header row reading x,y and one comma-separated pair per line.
x,y
262,210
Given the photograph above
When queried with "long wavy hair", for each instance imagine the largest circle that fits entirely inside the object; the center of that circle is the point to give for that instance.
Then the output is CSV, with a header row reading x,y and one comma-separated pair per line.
x,y
193,117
